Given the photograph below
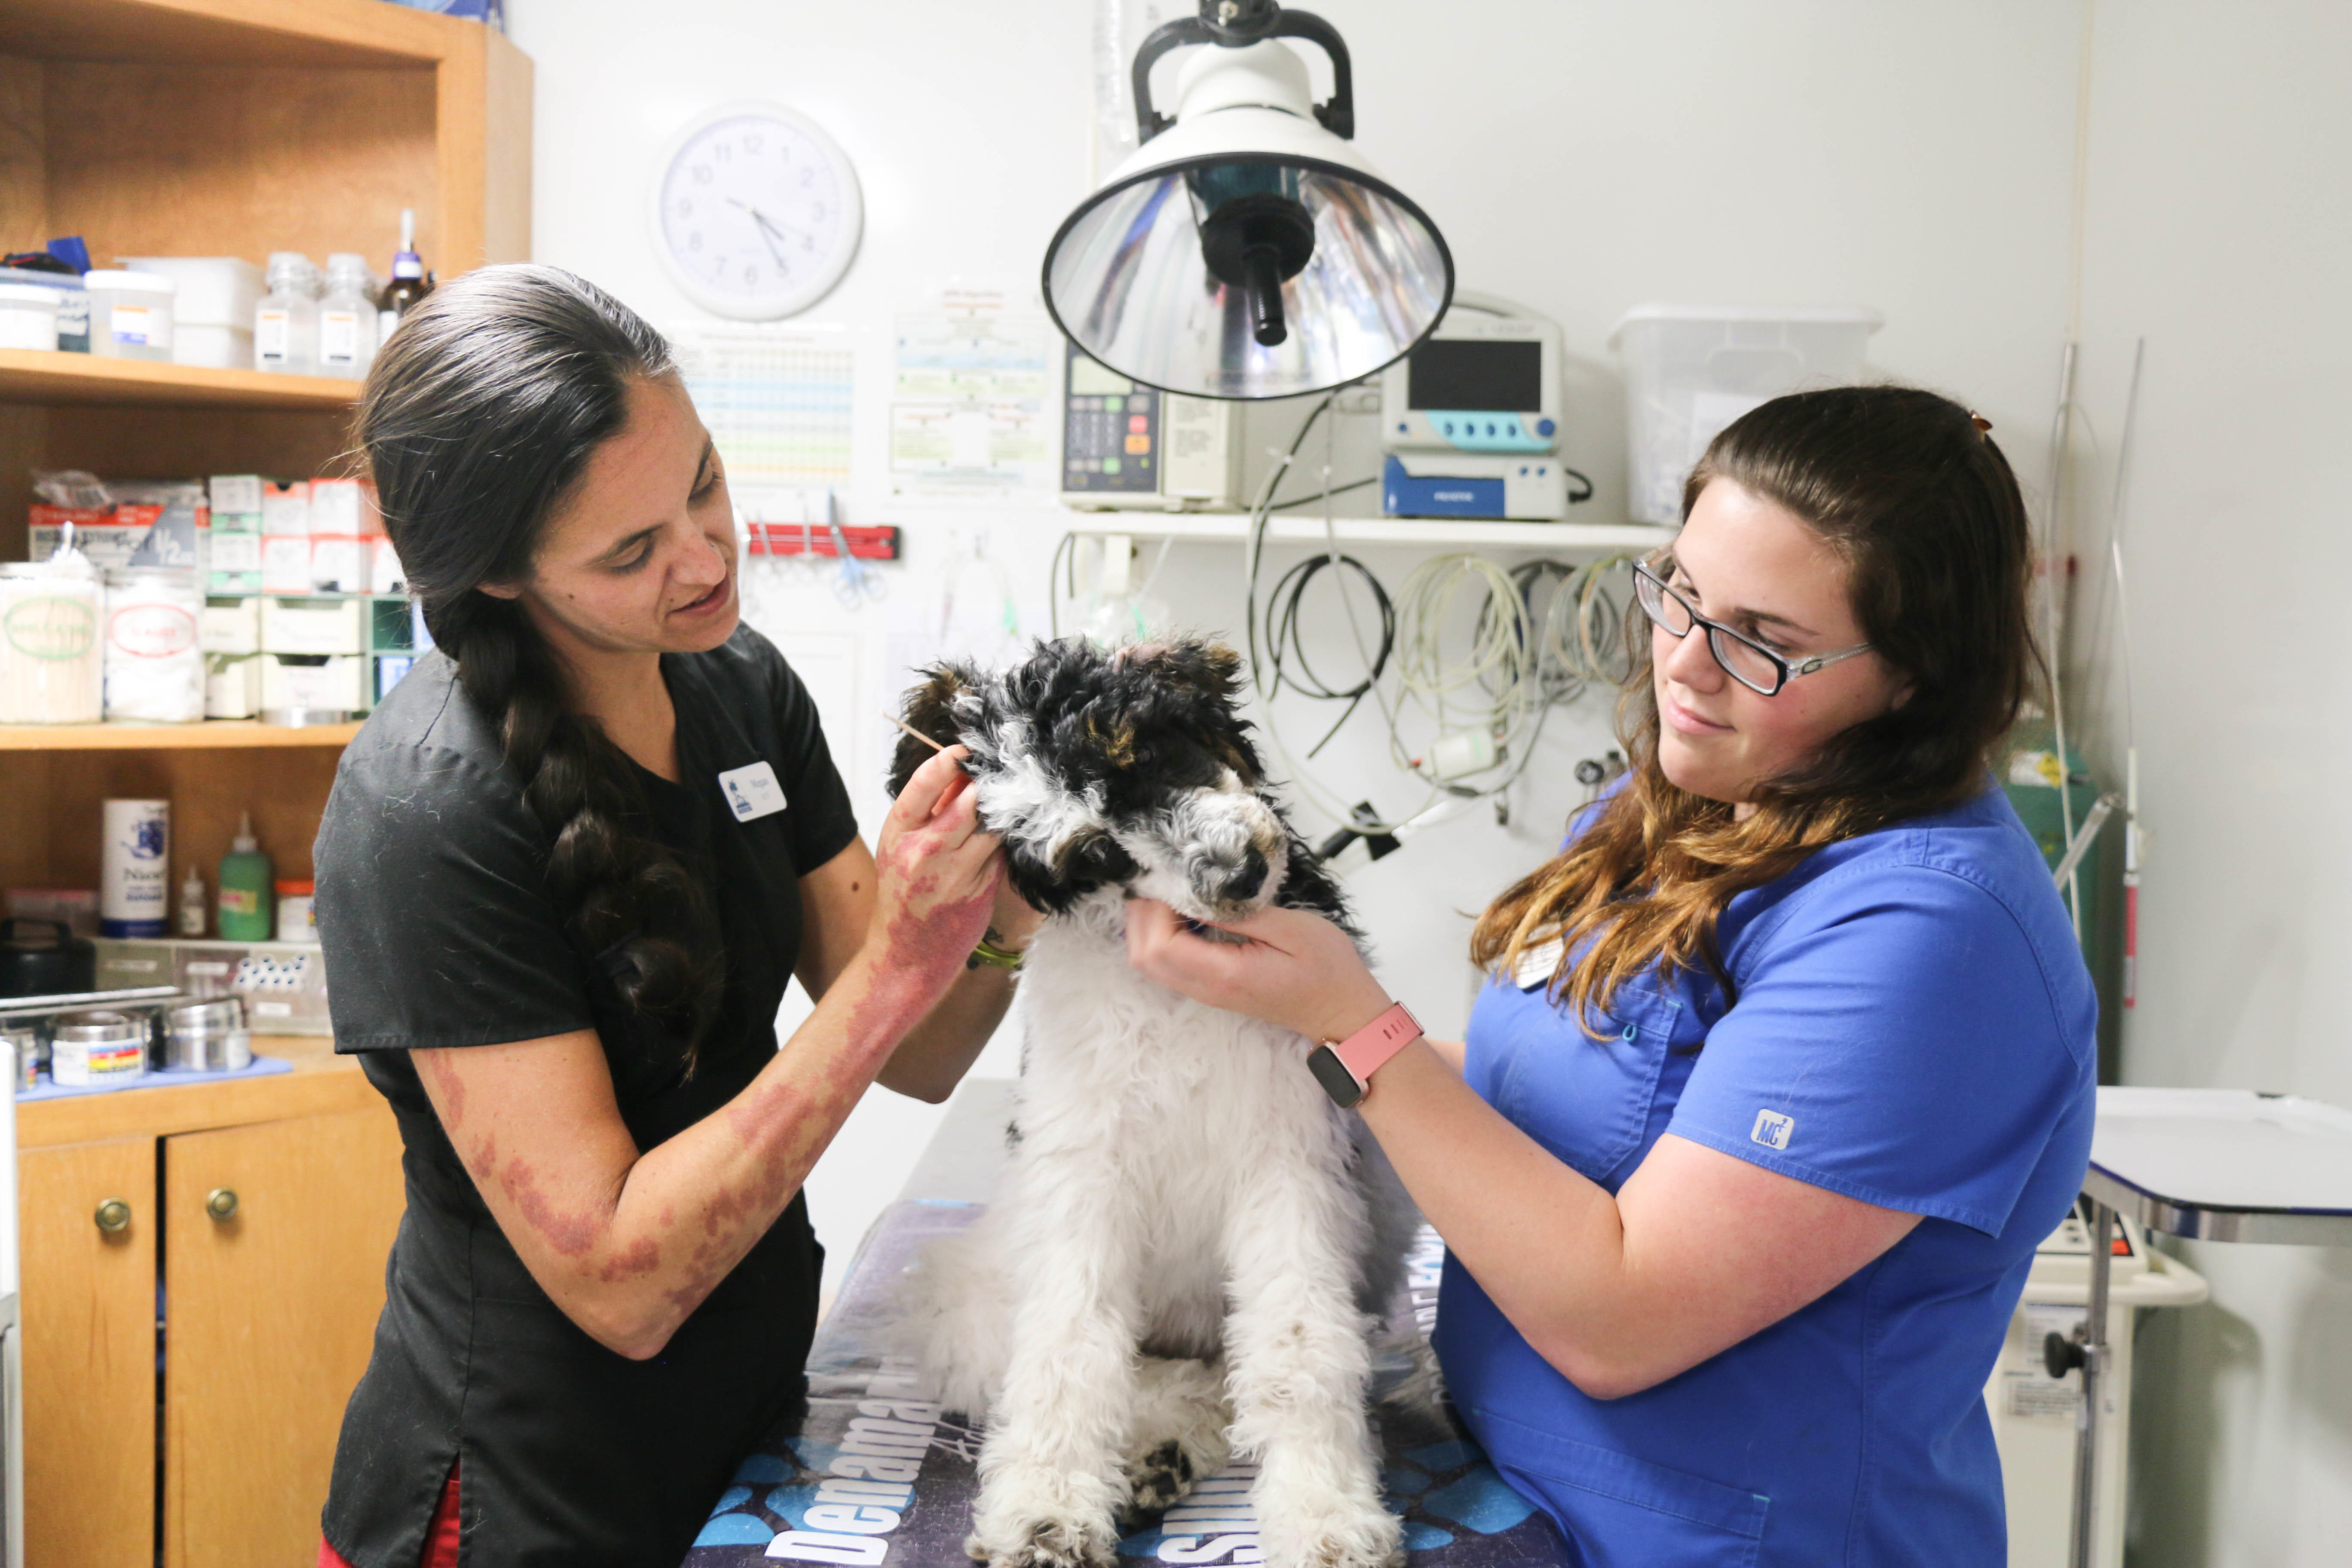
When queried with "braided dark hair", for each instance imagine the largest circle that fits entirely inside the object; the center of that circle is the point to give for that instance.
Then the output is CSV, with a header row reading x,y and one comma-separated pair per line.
x,y
478,419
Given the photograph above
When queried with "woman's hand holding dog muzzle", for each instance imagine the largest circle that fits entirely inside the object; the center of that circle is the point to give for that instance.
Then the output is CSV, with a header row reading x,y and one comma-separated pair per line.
x,y
1293,967
938,873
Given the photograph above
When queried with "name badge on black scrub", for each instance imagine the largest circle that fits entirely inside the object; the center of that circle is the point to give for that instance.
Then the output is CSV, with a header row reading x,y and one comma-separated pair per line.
x,y
751,792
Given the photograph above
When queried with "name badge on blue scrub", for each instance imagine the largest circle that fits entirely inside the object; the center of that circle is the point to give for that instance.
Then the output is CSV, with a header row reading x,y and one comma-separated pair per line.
x,y
752,791
1537,964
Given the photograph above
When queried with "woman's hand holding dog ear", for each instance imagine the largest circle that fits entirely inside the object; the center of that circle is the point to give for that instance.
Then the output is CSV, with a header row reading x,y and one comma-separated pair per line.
x,y
937,874
1295,968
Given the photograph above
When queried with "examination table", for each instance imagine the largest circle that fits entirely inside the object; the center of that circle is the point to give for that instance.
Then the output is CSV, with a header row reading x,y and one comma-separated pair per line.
x,y
855,1483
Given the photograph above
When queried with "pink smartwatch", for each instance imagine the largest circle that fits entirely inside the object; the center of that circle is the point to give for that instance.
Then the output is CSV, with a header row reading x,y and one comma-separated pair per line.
x,y
1345,1069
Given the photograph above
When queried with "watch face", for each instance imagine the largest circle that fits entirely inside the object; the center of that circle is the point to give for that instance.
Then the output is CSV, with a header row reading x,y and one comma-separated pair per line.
x,y
1337,1080
756,212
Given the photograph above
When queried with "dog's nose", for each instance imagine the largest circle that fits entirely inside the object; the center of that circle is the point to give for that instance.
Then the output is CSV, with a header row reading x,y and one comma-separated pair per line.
x,y
1245,881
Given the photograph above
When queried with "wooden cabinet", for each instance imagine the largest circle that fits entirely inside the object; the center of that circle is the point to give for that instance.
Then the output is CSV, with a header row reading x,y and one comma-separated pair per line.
x,y
210,128
272,1312
264,1210
89,1315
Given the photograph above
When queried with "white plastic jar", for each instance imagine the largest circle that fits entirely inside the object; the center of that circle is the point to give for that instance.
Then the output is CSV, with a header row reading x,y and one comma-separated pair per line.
x,y
28,317
130,314
154,661
50,663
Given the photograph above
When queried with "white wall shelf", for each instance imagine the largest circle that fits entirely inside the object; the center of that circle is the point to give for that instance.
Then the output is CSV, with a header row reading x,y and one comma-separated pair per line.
x,y
1437,530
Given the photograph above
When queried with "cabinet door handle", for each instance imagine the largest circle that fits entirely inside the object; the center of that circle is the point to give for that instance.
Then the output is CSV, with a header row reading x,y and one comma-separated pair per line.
x,y
221,1202
114,1216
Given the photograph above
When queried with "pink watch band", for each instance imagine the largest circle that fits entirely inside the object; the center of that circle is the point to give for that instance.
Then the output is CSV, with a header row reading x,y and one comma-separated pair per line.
x,y
1367,1050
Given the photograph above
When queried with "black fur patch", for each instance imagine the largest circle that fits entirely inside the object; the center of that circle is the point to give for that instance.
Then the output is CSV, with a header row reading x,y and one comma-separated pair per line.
x,y
1129,729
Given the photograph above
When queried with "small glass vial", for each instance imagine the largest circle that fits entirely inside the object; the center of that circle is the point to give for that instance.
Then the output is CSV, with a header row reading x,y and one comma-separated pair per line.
x,y
346,324
409,283
192,904
286,321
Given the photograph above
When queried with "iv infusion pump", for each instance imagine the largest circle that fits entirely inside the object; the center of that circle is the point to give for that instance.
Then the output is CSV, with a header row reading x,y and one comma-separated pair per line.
x,y
1128,446
1470,419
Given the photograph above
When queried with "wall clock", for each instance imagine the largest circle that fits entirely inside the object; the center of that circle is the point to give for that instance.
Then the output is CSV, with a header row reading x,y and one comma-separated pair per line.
x,y
756,210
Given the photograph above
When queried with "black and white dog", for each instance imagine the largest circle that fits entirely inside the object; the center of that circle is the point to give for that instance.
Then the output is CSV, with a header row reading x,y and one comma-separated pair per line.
x,y
1189,1250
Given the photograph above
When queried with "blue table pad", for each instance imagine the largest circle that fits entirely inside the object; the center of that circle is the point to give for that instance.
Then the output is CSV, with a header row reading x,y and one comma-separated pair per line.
x,y
1457,1512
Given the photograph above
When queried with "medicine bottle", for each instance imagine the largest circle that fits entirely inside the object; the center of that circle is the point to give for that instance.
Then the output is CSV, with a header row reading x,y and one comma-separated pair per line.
x,y
347,326
286,321
408,284
244,908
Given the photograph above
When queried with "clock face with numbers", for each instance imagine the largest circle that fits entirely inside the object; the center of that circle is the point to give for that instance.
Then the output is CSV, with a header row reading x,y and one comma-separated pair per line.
x,y
756,212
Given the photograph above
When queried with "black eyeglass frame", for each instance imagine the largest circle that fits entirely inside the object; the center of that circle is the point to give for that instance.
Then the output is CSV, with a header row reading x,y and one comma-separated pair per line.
x,y
1785,669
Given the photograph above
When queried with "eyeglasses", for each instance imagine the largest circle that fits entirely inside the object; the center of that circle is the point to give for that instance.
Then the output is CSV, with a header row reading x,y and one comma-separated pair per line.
x,y
1743,658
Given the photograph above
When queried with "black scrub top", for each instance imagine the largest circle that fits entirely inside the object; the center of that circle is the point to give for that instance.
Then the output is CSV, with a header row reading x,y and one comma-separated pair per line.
x,y
439,931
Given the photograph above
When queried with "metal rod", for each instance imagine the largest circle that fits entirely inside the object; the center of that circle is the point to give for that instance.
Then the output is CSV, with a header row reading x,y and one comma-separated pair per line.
x,y
76,1001
2080,1554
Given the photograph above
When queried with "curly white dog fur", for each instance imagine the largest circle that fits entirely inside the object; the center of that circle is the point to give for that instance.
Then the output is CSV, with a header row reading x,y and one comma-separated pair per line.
x,y
1185,1258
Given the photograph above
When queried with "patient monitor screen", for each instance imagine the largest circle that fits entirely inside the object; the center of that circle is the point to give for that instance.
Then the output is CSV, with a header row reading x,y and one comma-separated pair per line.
x,y
1476,373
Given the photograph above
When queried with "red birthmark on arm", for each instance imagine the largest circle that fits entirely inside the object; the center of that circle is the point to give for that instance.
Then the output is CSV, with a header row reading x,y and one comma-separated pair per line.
x,y
641,1257
448,1089
569,1234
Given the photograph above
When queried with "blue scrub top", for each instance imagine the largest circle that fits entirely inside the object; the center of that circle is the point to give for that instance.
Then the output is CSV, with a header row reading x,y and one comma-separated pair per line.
x,y
1914,1028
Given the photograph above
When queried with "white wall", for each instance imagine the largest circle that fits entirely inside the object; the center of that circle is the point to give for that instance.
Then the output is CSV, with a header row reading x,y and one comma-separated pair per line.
x,y
2218,228
1581,158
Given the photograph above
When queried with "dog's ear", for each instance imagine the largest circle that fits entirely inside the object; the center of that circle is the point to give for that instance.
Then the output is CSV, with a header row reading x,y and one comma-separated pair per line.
x,y
929,709
1209,669
1204,678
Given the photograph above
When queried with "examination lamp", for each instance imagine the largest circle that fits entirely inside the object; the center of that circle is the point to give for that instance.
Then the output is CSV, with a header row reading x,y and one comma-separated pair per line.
x,y
1247,249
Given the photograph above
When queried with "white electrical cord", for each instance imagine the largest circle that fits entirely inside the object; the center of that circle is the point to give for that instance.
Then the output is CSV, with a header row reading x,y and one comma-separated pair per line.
x,y
1516,669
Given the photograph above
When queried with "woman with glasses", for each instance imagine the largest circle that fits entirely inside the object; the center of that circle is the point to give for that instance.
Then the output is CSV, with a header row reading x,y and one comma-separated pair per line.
x,y
1785,1061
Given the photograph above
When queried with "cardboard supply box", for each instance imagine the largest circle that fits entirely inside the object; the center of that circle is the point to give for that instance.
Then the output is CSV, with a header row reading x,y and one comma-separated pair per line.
x,y
294,626
286,509
338,683
237,495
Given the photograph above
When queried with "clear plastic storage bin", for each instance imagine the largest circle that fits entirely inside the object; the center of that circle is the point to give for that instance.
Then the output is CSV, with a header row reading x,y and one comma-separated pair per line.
x,y
212,318
1690,369
28,317
130,314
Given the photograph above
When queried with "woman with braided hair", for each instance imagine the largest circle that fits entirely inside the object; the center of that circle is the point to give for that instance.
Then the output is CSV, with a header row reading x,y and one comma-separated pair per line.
x,y
567,869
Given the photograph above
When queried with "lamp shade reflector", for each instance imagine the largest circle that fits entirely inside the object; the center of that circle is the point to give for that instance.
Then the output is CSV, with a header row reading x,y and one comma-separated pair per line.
x,y
1154,276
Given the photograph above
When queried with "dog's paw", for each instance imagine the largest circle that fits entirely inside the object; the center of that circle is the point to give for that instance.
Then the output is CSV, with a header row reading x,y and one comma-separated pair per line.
x,y
1035,1517
1044,1543
1329,1534
1156,1482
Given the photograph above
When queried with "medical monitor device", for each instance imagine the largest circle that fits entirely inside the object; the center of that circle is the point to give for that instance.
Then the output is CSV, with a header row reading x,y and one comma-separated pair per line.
x,y
1470,420
1125,446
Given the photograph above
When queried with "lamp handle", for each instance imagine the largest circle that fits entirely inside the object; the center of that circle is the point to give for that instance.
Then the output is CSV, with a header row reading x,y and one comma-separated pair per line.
x,y
1232,24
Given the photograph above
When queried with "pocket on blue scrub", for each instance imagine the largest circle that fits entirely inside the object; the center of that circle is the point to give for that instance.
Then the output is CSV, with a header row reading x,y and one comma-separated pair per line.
x,y
1624,1512
1587,1100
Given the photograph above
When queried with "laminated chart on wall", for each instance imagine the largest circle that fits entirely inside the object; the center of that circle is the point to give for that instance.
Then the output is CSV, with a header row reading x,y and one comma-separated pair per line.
x,y
971,397
777,402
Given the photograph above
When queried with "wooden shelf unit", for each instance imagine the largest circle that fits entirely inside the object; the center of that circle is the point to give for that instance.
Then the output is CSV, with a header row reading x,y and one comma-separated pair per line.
x,y
212,735
35,377
212,128
237,127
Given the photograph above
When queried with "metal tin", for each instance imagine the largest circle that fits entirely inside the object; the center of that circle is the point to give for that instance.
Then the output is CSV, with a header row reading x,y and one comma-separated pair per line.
x,y
23,1045
207,1037
98,1048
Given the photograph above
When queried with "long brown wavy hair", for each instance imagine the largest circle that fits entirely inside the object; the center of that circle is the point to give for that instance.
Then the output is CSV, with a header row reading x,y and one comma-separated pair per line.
x,y
1916,500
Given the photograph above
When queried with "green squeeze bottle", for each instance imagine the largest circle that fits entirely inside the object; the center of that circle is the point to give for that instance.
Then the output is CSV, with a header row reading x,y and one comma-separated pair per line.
x,y
245,910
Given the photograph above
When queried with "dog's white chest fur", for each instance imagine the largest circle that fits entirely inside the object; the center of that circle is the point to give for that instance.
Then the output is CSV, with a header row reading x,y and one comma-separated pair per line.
x,y
1174,1271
